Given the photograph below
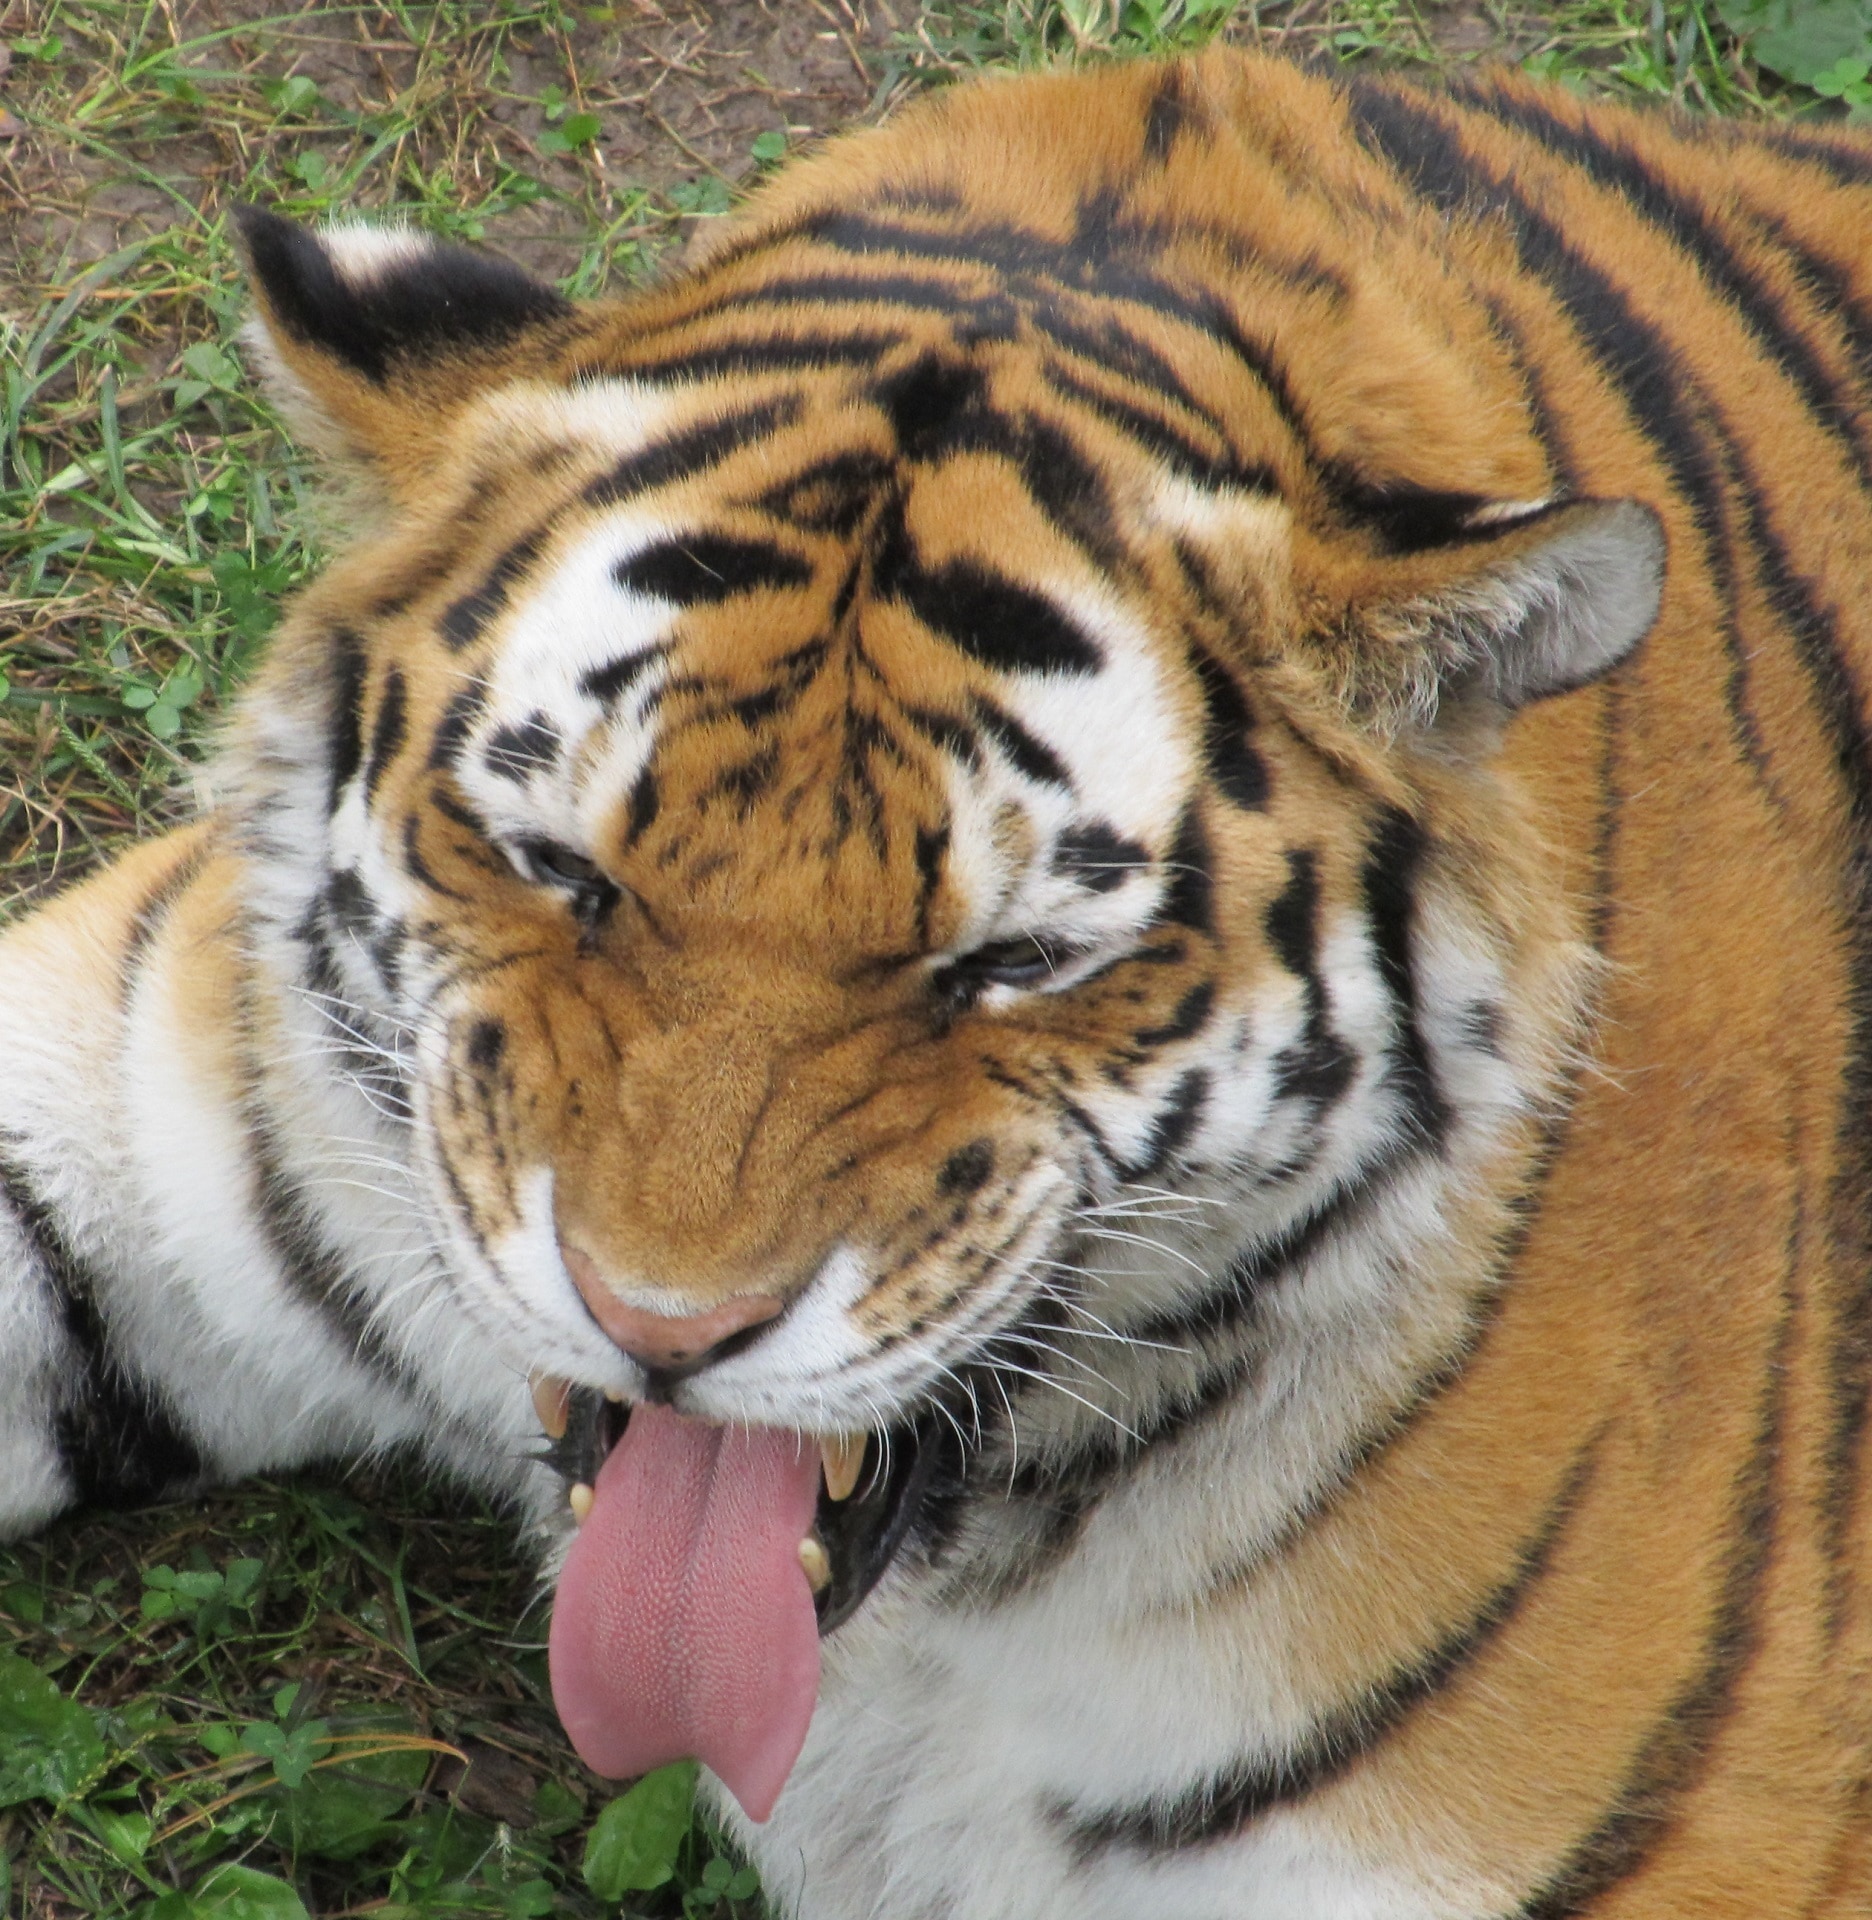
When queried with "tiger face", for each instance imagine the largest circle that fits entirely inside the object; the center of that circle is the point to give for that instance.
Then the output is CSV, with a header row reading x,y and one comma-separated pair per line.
x,y
875,859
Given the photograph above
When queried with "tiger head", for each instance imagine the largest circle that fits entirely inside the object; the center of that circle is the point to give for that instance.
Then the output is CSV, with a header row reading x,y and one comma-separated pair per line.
x,y
930,793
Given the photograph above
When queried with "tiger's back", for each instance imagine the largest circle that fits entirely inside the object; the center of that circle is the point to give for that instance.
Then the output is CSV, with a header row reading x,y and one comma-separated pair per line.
x,y
1482,1529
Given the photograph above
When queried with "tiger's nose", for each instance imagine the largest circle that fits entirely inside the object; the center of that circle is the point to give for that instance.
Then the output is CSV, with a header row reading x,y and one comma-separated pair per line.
x,y
664,1341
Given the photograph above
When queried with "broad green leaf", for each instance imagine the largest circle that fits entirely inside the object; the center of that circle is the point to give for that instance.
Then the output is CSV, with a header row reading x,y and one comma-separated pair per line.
x,y
579,129
1800,39
634,1842
769,146
345,1807
49,1746
230,1893
126,1834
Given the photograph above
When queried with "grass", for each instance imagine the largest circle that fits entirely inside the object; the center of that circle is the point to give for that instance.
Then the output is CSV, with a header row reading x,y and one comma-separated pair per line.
x,y
327,1696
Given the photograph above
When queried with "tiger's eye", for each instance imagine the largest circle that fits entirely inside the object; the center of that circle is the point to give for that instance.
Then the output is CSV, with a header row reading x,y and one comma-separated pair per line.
x,y
591,891
1025,961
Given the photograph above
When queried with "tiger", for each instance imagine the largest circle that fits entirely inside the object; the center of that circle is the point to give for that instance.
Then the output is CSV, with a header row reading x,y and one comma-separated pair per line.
x,y
1080,955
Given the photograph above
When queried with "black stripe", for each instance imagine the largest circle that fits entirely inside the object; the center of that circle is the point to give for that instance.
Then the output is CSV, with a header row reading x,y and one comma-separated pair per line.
x,y
457,722
1692,228
1676,1752
703,569
762,353
1189,892
1171,1128
1224,1804
1824,281
1170,115
389,732
1425,152
1319,1067
1660,394
151,917
686,454
464,620
118,1439
1207,467
1233,763
1030,756
616,677
1388,883
994,620
1098,856
519,752
313,1272
346,723
1847,166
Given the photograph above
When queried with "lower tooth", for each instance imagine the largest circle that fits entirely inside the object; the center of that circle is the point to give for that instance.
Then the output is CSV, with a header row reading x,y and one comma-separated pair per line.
x,y
580,1501
815,1563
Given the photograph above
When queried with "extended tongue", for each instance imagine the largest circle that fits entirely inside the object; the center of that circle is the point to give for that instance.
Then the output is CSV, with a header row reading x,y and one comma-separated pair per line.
x,y
684,1626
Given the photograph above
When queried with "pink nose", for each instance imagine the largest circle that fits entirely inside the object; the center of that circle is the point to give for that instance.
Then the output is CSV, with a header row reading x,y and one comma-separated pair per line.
x,y
663,1339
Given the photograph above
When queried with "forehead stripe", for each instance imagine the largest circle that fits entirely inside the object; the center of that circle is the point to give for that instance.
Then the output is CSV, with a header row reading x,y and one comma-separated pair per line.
x,y
462,623
685,454
704,568
1004,626
764,354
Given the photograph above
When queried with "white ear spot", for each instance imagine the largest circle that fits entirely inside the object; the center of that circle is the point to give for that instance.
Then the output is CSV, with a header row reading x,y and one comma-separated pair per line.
x,y
362,252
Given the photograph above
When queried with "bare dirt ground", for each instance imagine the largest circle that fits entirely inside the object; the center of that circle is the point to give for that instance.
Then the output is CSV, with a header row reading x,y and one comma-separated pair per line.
x,y
682,89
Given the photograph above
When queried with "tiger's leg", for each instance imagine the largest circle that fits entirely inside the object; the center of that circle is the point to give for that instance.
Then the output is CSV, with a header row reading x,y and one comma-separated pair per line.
x,y
197,1275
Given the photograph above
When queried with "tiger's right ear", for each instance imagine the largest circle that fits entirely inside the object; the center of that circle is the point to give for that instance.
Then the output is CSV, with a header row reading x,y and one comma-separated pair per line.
x,y
369,339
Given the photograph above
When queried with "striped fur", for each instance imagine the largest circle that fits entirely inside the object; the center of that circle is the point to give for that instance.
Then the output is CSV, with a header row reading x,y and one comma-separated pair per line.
x,y
1048,756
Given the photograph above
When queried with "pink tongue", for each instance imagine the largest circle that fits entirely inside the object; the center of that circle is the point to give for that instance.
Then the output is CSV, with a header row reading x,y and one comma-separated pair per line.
x,y
684,1626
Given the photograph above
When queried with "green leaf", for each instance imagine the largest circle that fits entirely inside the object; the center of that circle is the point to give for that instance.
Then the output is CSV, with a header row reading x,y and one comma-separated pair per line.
x,y
769,146
556,1809
717,1874
126,1834
341,1810
310,169
24,1603
187,392
292,1750
207,362
745,1885
49,1746
579,129
6,688
230,1893
297,94
633,1843
1800,39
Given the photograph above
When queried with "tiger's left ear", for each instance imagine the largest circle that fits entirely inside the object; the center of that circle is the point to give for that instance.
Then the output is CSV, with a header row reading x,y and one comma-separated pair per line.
x,y
370,339
1524,602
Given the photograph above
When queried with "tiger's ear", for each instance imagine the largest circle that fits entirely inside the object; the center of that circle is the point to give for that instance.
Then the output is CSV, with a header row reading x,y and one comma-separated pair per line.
x,y
369,339
1523,602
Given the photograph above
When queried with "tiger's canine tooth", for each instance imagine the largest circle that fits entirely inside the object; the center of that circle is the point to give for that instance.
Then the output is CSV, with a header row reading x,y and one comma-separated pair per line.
x,y
843,1458
552,1398
580,1499
815,1563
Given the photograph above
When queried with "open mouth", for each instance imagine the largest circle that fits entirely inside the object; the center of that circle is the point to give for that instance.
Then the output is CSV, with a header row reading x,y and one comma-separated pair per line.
x,y
871,1491
710,1562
